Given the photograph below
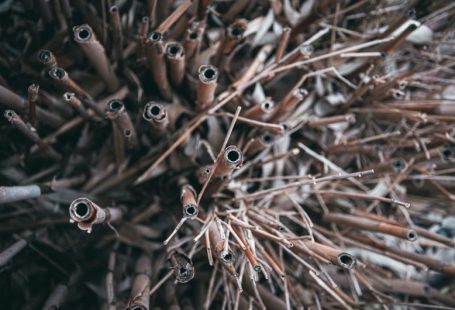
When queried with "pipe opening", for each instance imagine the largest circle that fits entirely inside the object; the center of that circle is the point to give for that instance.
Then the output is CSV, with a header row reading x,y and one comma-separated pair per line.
x,y
58,72
114,9
307,49
173,49
127,133
267,138
155,36
412,235
68,96
346,260
191,210
418,182
209,74
237,31
398,165
412,27
447,153
233,156
115,105
193,35
81,210
138,308
44,56
227,256
84,33
9,114
268,105
184,273
155,110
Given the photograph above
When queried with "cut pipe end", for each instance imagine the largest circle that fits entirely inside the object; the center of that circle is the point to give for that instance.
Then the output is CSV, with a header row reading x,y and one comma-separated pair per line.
x,y
447,153
155,36
267,105
174,50
398,165
233,155
184,274
237,29
154,111
45,56
191,210
193,35
411,235
58,73
81,210
68,96
267,138
114,105
83,33
346,260
227,256
208,73
9,115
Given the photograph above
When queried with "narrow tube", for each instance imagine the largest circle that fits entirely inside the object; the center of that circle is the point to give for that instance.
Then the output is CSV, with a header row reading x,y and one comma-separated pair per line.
x,y
188,198
86,213
10,194
157,64
16,102
62,77
94,51
289,104
48,59
183,267
156,114
175,56
233,36
117,113
371,225
7,254
31,102
117,32
231,159
206,87
140,297
260,112
77,105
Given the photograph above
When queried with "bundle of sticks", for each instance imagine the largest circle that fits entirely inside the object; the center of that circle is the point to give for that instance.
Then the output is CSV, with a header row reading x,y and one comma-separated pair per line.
x,y
198,154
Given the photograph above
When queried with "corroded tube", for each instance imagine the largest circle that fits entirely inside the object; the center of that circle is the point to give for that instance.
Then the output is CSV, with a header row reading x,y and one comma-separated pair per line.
x,y
117,113
188,199
183,267
157,64
140,297
175,56
156,114
76,104
48,59
371,225
206,87
17,193
231,159
62,77
96,54
86,213
260,111
289,104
